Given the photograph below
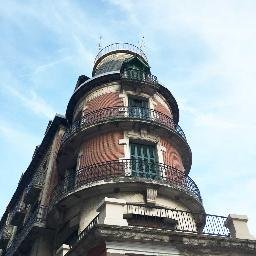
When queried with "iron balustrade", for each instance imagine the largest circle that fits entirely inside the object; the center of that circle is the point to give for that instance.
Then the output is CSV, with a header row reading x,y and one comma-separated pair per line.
x,y
121,113
37,217
182,221
125,168
120,46
5,235
199,223
138,75
86,231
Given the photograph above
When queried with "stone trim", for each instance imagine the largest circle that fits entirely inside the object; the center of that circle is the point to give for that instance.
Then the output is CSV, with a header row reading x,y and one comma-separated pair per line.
x,y
190,243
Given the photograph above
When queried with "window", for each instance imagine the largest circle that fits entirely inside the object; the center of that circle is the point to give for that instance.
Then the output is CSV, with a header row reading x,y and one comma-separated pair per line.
x,y
138,108
144,159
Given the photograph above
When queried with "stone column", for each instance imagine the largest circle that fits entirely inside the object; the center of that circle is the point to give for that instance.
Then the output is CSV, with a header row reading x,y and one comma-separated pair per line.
x,y
237,225
112,211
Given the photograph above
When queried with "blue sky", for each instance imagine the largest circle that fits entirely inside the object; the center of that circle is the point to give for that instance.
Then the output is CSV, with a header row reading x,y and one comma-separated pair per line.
x,y
203,51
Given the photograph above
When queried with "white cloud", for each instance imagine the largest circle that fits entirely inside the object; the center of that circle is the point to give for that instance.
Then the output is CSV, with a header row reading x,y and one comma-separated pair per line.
x,y
33,102
22,139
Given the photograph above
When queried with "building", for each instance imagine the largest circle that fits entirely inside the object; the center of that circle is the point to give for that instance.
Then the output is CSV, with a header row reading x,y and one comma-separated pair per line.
x,y
112,176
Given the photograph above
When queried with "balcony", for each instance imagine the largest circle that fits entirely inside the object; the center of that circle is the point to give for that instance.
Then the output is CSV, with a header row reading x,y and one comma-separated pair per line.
x,y
139,78
5,235
120,113
33,190
18,215
30,230
133,170
176,220
147,224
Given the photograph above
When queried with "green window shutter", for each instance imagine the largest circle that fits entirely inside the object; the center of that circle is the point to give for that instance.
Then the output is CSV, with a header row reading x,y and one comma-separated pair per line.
x,y
143,160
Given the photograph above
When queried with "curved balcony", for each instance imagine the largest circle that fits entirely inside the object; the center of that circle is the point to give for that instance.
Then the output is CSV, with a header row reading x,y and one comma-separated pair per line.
x,y
134,169
140,76
28,232
33,190
123,113
18,215
120,47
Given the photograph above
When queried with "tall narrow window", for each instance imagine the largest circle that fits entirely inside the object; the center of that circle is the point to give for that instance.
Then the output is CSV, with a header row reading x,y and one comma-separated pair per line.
x,y
138,108
143,160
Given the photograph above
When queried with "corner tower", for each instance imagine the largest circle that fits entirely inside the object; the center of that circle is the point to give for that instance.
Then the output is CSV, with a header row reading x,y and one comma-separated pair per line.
x,y
123,140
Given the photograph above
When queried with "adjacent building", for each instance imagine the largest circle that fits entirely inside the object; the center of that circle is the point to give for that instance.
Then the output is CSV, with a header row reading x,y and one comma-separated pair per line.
x,y
112,176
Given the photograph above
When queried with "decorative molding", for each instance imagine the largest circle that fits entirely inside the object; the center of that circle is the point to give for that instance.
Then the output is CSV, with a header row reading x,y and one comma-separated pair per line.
x,y
151,196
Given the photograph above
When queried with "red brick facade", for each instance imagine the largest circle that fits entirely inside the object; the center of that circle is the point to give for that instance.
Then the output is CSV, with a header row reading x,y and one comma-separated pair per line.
x,y
162,109
102,148
111,99
171,156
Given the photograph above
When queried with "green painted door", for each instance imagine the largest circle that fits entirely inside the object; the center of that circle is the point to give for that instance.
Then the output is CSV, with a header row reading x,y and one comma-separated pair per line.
x,y
143,160
138,108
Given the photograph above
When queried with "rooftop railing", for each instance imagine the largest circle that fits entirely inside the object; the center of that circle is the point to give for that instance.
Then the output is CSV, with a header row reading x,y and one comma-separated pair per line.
x,y
120,46
133,168
122,113
36,218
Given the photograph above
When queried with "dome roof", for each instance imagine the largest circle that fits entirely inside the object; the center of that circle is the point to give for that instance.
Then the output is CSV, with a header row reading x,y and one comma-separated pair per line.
x,y
112,57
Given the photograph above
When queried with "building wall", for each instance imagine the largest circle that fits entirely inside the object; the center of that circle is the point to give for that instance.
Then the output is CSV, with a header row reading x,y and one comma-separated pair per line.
x,y
171,155
102,148
102,97
161,105
110,99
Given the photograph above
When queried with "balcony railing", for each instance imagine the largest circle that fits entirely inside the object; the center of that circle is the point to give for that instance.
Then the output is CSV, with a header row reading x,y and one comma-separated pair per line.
x,y
121,113
126,168
182,221
138,75
33,190
5,235
18,215
86,231
120,46
160,217
37,218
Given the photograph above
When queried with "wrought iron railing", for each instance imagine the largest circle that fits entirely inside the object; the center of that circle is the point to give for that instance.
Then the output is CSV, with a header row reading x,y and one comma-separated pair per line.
x,y
138,75
38,217
126,168
86,231
120,46
118,113
185,221
5,234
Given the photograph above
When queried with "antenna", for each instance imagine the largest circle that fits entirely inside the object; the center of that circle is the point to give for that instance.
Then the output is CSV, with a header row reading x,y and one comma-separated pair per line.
x,y
100,43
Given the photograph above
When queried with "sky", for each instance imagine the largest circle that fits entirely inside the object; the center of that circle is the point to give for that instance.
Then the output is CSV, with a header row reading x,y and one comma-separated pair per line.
x,y
204,52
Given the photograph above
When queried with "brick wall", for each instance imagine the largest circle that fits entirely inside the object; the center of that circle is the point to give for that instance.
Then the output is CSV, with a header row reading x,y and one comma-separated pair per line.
x,y
171,156
103,101
101,148
161,108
